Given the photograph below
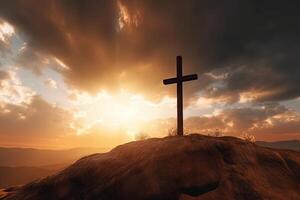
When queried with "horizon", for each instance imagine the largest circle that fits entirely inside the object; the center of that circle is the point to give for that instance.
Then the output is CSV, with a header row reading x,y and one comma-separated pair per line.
x,y
111,147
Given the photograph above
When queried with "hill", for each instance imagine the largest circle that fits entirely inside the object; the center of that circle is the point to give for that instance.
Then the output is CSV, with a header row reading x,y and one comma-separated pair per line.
x,y
174,168
289,144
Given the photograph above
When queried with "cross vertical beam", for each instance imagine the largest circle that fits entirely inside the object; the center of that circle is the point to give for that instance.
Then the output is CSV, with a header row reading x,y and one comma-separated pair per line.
x,y
179,80
179,97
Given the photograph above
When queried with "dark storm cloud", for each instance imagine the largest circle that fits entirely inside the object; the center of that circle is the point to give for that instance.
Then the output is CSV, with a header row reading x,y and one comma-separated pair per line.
x,y
79,33
257,40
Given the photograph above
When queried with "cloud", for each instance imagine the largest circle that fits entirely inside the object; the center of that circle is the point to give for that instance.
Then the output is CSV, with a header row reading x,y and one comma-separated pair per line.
x,y
117,44
43,125
39,123
261,120
77,33
6,33
37,61
284,123
51,83
255,82
32,59
4,75
245,119
12,90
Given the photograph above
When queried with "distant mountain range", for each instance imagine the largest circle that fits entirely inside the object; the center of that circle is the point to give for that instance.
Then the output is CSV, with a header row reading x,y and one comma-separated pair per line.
x,y
16,157
12,176
20,157
22,165
289,144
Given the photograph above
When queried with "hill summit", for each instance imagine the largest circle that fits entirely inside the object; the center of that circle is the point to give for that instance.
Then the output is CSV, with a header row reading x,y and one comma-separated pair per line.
x,y
174,168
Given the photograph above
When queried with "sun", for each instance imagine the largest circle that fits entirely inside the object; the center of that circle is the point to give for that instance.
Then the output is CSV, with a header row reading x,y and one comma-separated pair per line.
x,y
121,111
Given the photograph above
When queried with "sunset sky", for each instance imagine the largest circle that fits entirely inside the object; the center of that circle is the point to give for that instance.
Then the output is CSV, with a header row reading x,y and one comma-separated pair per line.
x,y
89,72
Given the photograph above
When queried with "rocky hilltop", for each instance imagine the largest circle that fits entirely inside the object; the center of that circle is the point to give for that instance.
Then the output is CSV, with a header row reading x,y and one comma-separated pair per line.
x,y
192,167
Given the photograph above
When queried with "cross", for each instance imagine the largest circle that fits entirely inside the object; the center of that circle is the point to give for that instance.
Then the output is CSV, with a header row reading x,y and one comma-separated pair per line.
x,y
179,80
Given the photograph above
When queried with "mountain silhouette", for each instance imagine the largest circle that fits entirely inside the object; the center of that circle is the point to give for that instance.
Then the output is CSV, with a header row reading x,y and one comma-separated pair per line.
x,y
288,144
174,168
19,157
11,176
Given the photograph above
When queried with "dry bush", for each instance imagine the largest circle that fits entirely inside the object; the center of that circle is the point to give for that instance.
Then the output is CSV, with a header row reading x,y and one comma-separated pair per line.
x,y
172,132
141,136
217,133
248,137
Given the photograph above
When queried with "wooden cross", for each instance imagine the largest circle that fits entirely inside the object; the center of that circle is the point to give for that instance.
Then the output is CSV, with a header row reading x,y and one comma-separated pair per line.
x,y
179,80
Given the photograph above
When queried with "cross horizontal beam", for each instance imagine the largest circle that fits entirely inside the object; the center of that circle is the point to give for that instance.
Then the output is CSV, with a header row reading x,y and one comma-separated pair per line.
x,y
182,79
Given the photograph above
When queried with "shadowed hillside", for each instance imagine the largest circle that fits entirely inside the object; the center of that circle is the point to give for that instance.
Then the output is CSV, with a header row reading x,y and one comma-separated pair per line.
x,y
183,168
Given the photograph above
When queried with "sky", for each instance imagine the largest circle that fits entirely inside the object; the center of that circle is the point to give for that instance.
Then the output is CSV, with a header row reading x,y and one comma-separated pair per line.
x,y
89,72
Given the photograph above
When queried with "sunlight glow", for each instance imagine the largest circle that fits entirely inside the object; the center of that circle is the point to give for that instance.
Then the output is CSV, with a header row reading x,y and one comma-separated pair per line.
x,y
269,121
61,64
120,111
204,102
126,18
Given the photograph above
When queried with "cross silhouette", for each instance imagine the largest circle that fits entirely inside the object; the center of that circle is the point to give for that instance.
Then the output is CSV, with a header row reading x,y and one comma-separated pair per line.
x,y
179,80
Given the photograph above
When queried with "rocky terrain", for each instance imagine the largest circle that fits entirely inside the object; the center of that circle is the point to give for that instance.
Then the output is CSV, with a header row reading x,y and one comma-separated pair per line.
x,y
192,167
